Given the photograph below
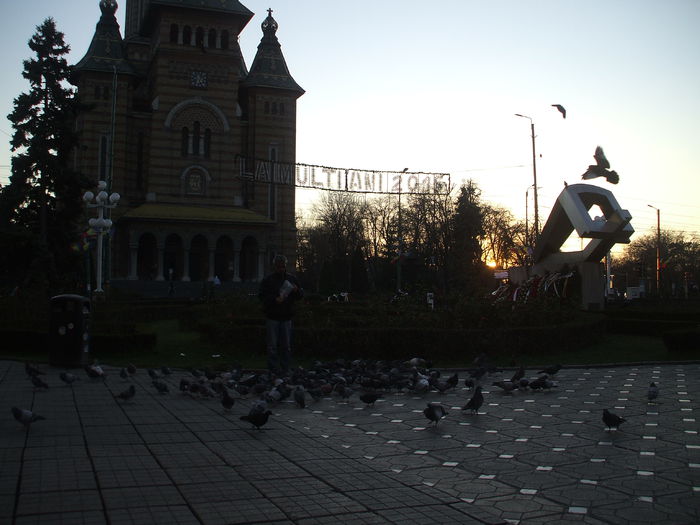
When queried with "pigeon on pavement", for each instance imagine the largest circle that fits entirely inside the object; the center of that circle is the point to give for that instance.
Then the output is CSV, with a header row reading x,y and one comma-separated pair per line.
x,y
26,417
257,419
369,398
300,396
477,399
68,378
39,383
652,392
127,394
612,420
434,412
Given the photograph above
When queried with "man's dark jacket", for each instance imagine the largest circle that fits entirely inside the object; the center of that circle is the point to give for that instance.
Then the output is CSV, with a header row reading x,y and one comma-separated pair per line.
x,y
270,290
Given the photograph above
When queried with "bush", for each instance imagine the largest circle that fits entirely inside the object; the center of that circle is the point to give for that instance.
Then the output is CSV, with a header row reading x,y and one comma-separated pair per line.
x,y
685,342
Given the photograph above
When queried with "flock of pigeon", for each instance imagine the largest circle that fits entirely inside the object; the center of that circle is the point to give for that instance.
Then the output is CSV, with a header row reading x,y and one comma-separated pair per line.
x,y
370,380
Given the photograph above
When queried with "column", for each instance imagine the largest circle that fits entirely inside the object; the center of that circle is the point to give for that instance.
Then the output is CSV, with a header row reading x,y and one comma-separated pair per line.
x,y
212,254
236,266
186,266
161,251
261,266
133,262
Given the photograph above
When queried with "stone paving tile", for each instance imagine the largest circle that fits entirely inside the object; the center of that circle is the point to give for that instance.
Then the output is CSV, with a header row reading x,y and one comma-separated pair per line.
x,y
131,497
136,477
228,491
427,514
356,518
156,515
232,512
58,502
64,518
217,474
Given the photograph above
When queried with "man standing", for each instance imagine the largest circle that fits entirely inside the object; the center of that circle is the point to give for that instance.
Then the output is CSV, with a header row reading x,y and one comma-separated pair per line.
x,y
278,292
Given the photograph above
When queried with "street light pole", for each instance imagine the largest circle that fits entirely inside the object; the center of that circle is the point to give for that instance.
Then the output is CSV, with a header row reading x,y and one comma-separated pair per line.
x,y
534,176
658,249
101,225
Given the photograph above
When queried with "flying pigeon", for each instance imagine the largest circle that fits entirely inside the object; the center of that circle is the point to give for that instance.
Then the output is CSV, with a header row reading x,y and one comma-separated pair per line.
x,y
561,109
26,417
601,168
474,404
257,419
434,412
653,392
127,394
612,420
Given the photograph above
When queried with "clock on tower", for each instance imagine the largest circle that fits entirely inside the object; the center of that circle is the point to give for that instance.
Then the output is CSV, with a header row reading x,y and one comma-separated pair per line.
x,y
198,79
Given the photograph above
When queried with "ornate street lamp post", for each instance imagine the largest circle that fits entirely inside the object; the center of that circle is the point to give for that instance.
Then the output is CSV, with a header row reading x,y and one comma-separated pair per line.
x,y
100,224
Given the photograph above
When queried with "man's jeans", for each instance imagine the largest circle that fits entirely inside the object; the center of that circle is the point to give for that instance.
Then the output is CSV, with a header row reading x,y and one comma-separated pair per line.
x,y
278,340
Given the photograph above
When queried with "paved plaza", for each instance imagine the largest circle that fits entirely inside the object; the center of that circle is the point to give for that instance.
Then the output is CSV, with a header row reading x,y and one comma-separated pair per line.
x,y
526,457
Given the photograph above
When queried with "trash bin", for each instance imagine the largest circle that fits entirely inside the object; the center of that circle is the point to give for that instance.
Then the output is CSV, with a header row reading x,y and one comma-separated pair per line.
x,y
69,330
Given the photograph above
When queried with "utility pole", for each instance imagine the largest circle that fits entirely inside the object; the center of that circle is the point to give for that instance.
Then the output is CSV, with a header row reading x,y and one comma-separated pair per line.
x,y
658,249
534,177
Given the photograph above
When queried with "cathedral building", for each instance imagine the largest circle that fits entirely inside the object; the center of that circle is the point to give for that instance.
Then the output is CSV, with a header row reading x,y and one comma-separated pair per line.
x,y
175,122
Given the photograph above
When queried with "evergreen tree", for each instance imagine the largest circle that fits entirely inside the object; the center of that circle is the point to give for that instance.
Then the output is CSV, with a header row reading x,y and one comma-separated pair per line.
x,y
42,200
468,229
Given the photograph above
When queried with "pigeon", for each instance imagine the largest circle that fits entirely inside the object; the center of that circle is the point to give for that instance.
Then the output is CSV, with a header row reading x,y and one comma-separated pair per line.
x,y
32,370
131,369
95,371
68,378
26,417
601,168
300,396
561,109
612,420
550,370
369,398
453,380
39,383
127,394
257,419
160,386
153,374
653,392
474,404
226,400
506,386
434,412
518,375
124,374
165,370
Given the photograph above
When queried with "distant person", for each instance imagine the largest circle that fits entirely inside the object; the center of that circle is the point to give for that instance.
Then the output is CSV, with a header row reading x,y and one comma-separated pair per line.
x,y
278,292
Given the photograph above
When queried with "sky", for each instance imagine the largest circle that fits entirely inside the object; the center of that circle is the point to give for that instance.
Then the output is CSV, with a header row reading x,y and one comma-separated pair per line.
x,y
435,86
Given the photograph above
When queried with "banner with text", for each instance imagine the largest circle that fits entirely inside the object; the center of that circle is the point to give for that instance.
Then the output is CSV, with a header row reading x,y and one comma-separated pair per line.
x,y
344,179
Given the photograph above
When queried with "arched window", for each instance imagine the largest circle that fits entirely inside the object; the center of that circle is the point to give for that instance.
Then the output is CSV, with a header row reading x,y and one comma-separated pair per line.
x,y
274,108
199,37
195,138
224,39
174,33
97,91
207,142
187,35
267,107
281,108
185,141
211,40
105,92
